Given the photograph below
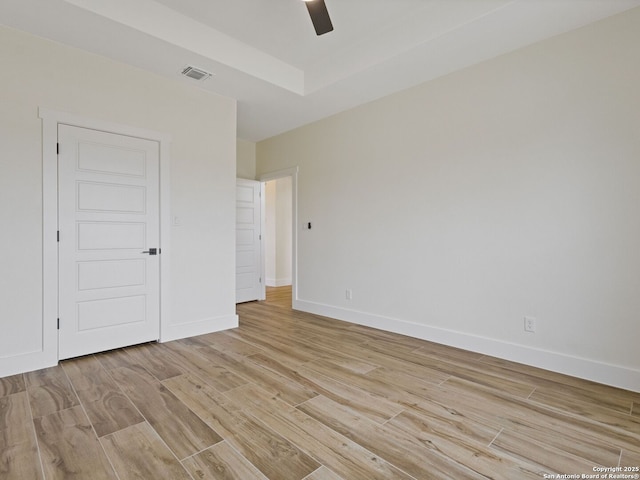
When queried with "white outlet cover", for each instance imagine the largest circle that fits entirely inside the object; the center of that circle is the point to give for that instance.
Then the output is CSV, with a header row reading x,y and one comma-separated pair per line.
x,y
529,324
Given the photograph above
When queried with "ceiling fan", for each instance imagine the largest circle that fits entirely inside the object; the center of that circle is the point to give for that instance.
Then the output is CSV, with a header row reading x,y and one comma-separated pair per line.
x,y
319,16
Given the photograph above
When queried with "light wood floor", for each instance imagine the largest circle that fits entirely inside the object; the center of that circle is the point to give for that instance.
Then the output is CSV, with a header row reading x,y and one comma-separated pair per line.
x,y
295,396
279,297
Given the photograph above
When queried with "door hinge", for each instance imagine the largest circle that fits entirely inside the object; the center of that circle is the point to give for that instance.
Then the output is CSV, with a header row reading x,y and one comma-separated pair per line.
x,y
57,149
260,280
58,236
259,237
58,324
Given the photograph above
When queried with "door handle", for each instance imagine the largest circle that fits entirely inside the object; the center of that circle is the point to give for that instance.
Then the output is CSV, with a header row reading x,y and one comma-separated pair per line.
x,y
151,251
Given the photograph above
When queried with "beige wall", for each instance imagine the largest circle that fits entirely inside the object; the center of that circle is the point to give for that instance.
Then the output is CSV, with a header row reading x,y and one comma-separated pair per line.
x,y
508,189
245,159
38,73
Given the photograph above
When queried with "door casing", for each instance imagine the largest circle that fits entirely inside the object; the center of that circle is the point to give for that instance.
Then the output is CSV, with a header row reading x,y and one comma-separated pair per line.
x,y
50,121
274,175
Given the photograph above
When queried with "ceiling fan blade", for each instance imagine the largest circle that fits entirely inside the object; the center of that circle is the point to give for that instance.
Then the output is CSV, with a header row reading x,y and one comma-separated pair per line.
x,y
319,16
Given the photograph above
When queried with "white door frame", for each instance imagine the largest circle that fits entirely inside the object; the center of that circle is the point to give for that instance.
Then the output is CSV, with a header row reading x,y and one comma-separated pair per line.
x,y
50,121
275,175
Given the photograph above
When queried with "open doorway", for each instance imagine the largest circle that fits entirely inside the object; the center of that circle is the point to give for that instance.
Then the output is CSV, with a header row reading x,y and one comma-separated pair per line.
x,y
277,240
278,232
279,236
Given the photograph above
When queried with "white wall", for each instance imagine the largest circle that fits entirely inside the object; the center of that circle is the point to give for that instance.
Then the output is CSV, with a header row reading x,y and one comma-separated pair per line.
x,y
278,225
457,207
270,235
38,73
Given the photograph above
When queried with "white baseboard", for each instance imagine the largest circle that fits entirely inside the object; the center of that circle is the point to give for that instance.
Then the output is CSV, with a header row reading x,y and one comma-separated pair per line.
x,y
31,361
199,327
277,282
614,375
27,362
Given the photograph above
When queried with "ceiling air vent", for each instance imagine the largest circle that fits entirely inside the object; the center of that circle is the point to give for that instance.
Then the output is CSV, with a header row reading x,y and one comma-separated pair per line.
x,y
195,73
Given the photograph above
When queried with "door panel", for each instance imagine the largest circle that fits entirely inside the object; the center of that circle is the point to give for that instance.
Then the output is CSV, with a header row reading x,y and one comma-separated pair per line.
x,y
100,314
110,235
108,215
104,197
248,241
99,274
111,159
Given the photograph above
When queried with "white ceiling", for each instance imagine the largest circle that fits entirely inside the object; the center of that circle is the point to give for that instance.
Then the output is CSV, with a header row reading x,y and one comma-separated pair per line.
x,y
265,53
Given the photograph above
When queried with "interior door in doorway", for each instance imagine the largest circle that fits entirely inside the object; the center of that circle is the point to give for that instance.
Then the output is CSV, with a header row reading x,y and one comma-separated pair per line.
x,y
109,264
248,241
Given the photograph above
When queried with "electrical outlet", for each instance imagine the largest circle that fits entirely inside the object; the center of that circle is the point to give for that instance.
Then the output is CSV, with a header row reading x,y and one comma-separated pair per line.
x,y
530,324
348,294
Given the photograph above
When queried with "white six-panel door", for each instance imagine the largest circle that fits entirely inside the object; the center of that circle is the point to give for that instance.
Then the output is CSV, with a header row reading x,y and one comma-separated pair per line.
x,y
108,209
248,241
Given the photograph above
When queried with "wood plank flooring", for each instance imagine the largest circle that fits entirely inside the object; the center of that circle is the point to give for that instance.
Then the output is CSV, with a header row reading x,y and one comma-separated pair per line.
x,y
293,396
